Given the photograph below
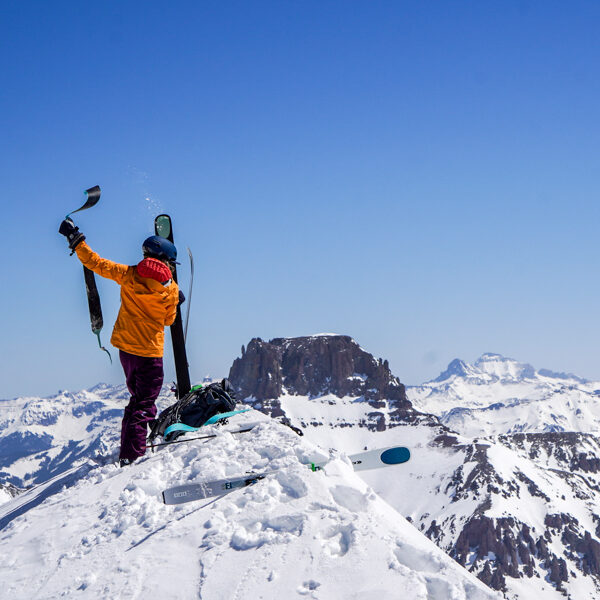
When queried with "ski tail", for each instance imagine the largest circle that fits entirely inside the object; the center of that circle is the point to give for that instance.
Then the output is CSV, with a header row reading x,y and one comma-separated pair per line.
x,y
189,298
92,196
373,459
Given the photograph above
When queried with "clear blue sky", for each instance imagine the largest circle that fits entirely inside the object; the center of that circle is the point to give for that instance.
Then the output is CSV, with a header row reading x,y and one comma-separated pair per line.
x,y
422,176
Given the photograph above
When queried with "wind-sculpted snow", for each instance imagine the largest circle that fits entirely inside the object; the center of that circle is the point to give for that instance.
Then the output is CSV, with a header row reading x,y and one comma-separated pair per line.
x,y
324,535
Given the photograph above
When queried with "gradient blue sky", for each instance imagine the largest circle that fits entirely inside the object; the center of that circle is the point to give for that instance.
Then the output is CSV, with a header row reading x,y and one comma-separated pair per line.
x,y
422,176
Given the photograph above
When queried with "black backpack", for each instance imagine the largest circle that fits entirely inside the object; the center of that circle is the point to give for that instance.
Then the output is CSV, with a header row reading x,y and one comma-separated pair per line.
x,y
194,409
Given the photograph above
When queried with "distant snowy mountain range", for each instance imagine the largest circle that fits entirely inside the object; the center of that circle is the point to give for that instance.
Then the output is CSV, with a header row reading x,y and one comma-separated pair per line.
x,y
504,478
498,395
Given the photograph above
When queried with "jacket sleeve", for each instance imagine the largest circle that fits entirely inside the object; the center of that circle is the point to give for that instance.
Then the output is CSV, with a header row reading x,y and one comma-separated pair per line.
x,y
101,266
172,304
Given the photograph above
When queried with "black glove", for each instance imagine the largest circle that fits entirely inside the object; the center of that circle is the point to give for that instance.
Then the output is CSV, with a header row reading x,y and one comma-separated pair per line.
x,y
72,233
181,297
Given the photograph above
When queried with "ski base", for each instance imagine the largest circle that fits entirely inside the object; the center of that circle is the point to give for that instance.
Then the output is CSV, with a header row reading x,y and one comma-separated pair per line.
x,y
200,491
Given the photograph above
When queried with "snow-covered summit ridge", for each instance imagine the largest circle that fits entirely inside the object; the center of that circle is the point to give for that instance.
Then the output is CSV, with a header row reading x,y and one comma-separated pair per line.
x,y
323,535
490,367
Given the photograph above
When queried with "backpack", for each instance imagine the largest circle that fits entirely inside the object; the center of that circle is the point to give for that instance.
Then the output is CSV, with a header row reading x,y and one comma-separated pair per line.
x,y
194,409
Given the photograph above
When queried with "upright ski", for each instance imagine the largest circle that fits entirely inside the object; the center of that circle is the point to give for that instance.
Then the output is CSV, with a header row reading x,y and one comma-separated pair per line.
x,y
372,459
164,228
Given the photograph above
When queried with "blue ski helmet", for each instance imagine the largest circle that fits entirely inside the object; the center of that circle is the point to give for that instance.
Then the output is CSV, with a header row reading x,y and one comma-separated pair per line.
x,y
161,248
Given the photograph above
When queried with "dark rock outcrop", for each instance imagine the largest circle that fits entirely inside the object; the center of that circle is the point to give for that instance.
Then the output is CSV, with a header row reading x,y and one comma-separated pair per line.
x,y
9,488
314,366
317,366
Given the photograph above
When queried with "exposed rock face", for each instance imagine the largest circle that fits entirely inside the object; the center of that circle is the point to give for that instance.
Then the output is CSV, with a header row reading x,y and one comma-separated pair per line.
x,y
258,373
8,490
320,367
314,366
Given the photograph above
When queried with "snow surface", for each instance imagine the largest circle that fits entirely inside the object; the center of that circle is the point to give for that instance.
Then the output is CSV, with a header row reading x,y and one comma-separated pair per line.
x,y
324,535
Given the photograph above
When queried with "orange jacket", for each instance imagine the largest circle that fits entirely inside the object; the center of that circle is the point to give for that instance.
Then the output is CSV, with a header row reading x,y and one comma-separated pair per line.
x,y
147,306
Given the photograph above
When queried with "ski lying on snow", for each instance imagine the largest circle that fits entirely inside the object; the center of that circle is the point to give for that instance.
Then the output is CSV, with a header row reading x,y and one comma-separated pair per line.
x,y
199,491
372,459
212,421
245,429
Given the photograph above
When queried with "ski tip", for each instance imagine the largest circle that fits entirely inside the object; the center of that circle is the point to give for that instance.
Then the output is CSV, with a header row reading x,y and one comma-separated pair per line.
x,y
395,456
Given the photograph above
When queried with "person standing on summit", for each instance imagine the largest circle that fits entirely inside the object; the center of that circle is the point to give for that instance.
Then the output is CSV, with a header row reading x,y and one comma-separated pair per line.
x,y
149,299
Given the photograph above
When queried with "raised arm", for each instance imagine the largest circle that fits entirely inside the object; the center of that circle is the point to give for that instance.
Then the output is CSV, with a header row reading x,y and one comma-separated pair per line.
x,y
91,260
101,266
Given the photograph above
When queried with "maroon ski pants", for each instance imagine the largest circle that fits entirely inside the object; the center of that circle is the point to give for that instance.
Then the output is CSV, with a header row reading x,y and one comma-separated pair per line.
x,y
144,376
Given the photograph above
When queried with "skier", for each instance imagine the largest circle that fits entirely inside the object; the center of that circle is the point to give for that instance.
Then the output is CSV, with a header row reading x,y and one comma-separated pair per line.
x,y
149,299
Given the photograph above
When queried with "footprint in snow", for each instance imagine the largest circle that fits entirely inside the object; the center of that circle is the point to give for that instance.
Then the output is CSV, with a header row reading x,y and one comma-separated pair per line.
x,y
350,498
308,587
338,539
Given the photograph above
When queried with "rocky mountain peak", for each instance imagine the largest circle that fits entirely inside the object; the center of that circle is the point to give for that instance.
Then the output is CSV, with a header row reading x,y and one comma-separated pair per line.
x,y
313,366
457,368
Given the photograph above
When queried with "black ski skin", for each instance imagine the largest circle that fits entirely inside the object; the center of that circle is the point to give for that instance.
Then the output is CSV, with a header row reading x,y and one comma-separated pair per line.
x,y
177,336
93,297
92,196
